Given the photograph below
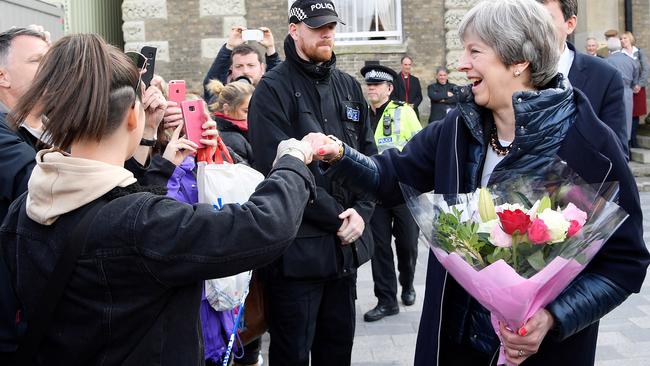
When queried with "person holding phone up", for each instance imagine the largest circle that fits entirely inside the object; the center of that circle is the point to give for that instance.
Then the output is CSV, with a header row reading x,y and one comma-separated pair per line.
x,y
133,296
242,59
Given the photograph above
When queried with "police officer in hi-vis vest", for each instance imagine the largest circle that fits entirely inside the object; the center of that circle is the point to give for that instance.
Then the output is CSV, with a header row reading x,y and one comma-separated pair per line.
x,y
394,124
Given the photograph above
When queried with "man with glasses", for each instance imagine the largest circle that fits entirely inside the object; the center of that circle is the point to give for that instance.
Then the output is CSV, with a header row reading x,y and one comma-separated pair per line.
x,y
394,124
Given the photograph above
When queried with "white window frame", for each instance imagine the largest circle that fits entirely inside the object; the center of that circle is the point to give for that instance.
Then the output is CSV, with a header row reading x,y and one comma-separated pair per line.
x,y
348,38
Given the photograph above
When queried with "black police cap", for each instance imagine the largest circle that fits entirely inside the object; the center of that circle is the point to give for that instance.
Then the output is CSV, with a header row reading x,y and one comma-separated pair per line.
x,y
376,74
314,13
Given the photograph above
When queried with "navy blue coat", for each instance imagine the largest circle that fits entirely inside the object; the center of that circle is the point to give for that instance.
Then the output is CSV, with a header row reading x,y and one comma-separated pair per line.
x,y
16,164
603,86
447,157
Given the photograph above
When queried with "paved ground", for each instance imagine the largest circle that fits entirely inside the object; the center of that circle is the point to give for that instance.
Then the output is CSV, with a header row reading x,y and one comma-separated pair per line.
x,y
624,334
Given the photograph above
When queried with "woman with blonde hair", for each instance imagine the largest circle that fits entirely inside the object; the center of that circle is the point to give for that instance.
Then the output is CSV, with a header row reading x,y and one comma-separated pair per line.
x,y
230,110
639,103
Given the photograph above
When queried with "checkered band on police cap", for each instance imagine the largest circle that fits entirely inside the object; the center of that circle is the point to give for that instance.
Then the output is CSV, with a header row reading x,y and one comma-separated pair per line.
x,y
374,74
314,13
298,13
378,75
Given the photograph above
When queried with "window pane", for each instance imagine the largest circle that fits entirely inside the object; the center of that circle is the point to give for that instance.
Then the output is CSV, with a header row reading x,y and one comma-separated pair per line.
x,y
368,21
367,15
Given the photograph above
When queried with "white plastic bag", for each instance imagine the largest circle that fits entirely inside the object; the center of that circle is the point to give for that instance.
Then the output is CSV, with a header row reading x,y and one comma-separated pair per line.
x,y
221,184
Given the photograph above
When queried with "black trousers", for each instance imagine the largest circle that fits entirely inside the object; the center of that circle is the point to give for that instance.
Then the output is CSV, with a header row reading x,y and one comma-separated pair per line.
x,y
386,223
316,317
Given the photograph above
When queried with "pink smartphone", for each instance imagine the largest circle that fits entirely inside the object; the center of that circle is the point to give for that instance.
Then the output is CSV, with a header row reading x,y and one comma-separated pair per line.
x,y
177,91
194,116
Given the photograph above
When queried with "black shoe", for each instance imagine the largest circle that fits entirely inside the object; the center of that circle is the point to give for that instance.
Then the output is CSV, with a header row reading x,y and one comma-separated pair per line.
x,y
408,296
379,312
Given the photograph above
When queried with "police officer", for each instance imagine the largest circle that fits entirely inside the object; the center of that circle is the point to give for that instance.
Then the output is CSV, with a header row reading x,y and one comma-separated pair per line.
x,y
312,287
394,124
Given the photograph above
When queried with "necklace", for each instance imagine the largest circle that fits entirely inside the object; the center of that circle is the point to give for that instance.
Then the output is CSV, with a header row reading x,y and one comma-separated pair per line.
x,y
496,144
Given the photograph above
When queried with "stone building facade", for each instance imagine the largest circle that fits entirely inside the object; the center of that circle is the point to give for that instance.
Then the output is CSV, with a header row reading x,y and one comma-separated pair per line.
x,y
189,33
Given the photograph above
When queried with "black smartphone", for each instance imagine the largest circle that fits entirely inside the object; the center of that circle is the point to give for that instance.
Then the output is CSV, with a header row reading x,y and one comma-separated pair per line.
x,y
150,53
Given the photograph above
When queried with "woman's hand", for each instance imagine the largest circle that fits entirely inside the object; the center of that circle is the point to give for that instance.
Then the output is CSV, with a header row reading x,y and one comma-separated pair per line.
x,y
525,343
179,148
352,226
173,115
154,104
323,147
210,134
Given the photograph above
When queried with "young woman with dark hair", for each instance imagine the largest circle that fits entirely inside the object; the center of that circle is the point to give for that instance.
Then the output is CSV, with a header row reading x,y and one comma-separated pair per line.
x,y
134,295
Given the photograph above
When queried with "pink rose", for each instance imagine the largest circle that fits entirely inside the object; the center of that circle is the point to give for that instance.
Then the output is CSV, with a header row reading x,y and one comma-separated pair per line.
x,y
538,232
499,238
571,213
574,228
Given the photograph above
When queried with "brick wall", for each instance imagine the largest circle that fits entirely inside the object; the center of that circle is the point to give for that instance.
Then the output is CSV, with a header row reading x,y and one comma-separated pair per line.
x,y
189,34
184,29
272,14
423,40
641,23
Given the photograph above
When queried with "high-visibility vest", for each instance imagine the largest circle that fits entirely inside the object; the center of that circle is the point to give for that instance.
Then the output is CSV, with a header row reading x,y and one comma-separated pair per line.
x,y
396,126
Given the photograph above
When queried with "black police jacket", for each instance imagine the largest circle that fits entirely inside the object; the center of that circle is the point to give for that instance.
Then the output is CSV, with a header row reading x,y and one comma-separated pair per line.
x,y
295,98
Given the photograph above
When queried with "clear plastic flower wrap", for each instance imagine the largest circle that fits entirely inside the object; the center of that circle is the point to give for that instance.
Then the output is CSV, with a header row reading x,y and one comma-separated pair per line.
x,y
515,245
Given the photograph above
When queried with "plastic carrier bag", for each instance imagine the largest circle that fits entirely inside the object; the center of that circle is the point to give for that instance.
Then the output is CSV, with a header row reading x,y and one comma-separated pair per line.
x,y
219,183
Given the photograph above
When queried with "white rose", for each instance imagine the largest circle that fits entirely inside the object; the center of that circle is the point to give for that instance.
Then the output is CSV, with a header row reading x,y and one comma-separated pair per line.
x,y
511,207
556,223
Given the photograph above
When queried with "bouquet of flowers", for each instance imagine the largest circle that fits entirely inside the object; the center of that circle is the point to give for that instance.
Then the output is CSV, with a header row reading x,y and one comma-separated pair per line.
x,y
515,245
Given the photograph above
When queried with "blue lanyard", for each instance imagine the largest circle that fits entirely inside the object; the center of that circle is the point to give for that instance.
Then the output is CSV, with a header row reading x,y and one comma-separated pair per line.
x,y
231,340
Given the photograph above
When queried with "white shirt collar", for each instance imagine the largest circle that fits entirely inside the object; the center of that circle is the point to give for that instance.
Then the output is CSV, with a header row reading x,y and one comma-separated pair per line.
x,y
634,50
566,59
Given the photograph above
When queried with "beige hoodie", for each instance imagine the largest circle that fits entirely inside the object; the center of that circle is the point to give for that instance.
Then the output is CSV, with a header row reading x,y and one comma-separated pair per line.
x,y
60,184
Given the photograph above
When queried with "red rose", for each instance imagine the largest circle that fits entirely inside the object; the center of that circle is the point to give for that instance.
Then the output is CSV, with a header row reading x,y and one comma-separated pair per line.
x,y
514,221
574,228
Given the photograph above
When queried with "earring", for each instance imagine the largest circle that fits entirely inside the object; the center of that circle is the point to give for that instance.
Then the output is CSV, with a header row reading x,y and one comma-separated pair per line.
x,y
517,73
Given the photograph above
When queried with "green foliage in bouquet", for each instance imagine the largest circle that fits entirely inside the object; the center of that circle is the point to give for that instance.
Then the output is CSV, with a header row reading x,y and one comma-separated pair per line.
x,y
525,236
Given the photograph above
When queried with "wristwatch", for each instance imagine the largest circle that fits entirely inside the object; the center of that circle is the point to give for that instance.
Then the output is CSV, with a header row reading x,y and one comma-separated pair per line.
x,y
147,142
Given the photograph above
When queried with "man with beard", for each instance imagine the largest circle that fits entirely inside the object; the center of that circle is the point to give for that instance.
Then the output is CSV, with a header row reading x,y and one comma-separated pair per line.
x,y
394,124
312,287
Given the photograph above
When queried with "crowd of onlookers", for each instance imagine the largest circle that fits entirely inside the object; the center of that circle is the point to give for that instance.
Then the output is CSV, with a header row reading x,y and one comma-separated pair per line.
x,y
93,152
